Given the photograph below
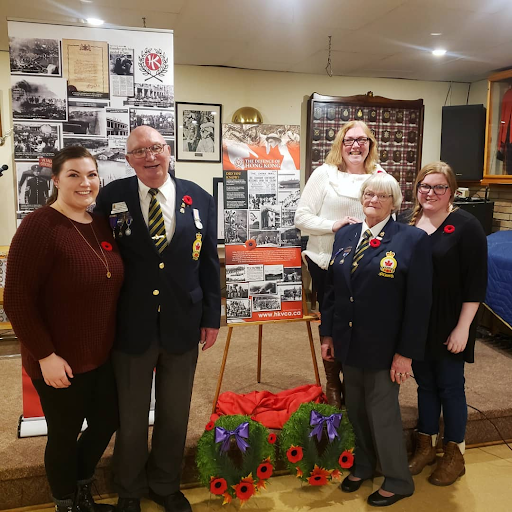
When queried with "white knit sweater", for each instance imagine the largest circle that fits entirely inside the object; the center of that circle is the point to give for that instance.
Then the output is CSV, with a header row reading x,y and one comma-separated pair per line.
x,y
329,195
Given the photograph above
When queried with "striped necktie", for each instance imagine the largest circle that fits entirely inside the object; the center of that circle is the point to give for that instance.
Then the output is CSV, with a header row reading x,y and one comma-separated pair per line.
x,y
365,243
156,223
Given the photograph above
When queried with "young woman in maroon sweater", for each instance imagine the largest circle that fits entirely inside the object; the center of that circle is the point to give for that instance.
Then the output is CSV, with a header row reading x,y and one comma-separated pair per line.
x,y
64,277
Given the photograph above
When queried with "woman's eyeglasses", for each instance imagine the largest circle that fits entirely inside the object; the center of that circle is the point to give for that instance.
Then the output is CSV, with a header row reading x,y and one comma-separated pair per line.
x,y
155,149
439,190
361,141
381,197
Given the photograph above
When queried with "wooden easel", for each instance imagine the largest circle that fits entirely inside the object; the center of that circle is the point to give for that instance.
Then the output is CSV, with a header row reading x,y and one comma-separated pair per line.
x,y
306,318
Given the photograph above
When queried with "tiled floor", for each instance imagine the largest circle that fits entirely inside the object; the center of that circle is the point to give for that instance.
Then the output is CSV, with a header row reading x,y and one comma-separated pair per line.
x,y
486,487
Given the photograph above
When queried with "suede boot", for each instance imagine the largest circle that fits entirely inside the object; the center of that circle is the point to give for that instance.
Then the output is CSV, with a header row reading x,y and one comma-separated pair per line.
x,y
85,501
450,467
334,388
424,453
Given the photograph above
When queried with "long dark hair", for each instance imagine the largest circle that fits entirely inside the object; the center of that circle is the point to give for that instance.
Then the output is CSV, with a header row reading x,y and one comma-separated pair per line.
x,y
60,158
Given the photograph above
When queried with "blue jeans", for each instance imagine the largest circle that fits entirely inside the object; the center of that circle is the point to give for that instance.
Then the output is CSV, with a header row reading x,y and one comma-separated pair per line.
x,y
441,386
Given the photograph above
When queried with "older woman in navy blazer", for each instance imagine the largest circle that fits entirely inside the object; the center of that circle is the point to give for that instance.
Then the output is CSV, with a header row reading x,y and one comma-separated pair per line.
x,y
375,320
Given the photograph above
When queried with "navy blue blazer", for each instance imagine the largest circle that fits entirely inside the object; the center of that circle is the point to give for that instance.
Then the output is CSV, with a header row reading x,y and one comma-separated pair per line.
x,y
384,307
184,290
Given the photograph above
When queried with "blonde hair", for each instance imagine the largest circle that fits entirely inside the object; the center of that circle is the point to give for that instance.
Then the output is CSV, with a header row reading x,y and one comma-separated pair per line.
x,y
432,168
381,182
335,156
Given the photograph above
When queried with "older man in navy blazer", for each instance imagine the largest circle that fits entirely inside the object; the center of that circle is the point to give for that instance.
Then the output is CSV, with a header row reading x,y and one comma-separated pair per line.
x,y
170,301
375,318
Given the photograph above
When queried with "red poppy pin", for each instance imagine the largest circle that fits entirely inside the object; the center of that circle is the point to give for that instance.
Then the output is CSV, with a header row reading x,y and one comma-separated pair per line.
x,y
218,486
449,228
106,246
271,438
294,454
250,244
346,459
187,200
209,426
374,242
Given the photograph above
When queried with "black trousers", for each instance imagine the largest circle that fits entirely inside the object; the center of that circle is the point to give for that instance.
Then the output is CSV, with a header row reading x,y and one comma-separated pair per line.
x,y
69,458
318,276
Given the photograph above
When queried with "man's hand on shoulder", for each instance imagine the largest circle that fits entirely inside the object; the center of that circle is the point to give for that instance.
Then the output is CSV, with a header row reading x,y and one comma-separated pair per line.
x,y
208,337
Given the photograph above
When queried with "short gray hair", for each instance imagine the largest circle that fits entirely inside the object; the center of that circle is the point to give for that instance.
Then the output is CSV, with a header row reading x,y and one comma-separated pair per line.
x,y
383,183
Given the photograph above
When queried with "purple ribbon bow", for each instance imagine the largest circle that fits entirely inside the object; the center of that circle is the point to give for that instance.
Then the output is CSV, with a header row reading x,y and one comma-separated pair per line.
x,y
317,420
223,436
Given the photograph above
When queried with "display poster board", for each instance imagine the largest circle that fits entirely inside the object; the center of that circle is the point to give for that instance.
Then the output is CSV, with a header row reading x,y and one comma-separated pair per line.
x,y
82,86
263,248
88,87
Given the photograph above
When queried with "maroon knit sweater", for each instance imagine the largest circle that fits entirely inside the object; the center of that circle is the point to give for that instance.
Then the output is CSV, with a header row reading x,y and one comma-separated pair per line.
x,y
57,295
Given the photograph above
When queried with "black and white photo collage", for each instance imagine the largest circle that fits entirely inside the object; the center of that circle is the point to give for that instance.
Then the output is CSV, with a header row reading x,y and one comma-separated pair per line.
x,y
83,90
260,288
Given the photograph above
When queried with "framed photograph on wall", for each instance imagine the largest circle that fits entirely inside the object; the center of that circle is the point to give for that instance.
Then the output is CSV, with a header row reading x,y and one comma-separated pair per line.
x,y
198,135
218,195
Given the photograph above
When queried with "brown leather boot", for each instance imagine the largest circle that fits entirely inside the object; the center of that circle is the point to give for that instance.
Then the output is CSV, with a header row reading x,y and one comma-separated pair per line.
x,y
450,467
333,385
424,453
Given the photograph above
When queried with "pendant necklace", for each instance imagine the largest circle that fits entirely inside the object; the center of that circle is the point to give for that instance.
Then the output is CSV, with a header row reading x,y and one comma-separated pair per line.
x,y
103,259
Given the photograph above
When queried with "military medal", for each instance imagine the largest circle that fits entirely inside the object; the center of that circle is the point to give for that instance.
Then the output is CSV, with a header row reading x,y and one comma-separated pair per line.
x,y
196,246
129,220
197,220
388,265
120,223
113,222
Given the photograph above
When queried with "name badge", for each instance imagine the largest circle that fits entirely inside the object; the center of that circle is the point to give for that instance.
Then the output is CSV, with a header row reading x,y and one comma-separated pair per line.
x,y
119,208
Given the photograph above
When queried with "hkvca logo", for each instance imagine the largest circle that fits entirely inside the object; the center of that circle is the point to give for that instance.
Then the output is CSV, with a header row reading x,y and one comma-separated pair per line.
x,y
153,63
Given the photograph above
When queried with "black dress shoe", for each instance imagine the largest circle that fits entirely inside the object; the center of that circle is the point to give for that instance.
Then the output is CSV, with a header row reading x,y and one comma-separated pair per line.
x,y
377,500
128,505
175,502
351,485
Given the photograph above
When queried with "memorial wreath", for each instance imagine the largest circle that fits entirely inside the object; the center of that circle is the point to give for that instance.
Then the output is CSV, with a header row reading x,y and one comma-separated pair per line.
x,y
317,443
235,457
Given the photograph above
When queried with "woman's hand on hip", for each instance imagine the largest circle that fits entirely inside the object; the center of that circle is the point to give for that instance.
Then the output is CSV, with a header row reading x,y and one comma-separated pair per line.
x,y
400,369
457,340
56,371
327,348
343,222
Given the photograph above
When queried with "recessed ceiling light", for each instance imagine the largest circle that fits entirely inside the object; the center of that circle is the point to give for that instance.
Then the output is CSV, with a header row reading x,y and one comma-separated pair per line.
x,y
431,33
439,52
94,21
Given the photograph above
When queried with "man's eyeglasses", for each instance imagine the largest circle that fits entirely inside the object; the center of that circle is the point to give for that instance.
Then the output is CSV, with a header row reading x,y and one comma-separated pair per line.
x,y
155,149
361,141
381,197
439,190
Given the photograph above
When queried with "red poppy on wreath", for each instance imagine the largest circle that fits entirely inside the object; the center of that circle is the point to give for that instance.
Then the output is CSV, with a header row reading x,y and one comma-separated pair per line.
x,y
374,242
187,200
209,426
244,490
265,469
346,459
318,476
218,486
106,246
271,438
294,454
250,244
449,228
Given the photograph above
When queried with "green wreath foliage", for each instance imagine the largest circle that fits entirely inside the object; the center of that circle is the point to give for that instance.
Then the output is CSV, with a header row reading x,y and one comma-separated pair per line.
x,y
314,467
213,464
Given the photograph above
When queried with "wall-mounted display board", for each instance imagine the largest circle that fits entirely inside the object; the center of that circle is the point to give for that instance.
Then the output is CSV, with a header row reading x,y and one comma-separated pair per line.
x,y
498,134
396,124
85,86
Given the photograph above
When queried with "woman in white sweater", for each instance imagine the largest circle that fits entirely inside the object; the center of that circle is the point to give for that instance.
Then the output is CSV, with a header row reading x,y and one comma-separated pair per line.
x,y
329,201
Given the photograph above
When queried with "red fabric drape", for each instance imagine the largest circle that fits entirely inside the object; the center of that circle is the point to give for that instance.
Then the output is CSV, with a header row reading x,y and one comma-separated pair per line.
x,y
271,410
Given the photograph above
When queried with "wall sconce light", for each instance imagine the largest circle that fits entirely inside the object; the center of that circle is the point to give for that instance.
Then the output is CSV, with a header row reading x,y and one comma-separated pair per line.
x,y
247,115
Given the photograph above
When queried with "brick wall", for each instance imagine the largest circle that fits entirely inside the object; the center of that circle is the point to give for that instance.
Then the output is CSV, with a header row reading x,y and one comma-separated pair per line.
x,y
502,197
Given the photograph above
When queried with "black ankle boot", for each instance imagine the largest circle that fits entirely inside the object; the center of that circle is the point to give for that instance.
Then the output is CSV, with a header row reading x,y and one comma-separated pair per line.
x,y
65,505
85,501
